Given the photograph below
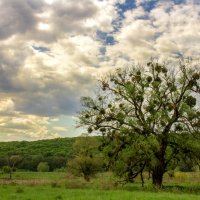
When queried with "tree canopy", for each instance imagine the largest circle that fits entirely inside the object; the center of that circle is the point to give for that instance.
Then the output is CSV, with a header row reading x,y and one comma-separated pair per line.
x,y
148,116
55,152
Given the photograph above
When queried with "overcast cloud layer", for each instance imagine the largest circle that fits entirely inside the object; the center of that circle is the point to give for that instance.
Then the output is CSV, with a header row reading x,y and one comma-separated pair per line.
x,y
52,51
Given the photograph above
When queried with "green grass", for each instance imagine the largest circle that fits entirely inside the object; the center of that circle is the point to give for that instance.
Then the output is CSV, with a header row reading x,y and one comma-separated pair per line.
x,y
49,193
51,176
61,186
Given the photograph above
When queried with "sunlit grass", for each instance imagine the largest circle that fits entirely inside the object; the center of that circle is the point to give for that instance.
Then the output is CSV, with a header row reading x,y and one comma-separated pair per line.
x,y
60,185
49,193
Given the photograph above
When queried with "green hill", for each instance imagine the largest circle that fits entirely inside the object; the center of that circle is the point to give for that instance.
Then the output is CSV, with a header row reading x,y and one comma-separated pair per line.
x,y
55,151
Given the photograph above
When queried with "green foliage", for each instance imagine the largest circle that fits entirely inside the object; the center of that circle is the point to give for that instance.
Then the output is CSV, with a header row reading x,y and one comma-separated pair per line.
x,y
148,118
14,160
84,166
87,161
43,167
29,154
7,170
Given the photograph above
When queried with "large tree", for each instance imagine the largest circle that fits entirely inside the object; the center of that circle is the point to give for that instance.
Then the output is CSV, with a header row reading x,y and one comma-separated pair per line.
x,y
148,116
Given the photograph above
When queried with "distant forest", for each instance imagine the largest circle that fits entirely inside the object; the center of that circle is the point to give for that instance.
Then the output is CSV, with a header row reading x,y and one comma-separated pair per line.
x,y
55,152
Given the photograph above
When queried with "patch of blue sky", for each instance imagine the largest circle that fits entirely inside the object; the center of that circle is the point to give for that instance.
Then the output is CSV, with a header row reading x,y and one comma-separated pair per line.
x,y
121,9
41,49
127,5
178,54
105,38
102,50
102,56
149,5
67,122
130,5
179,1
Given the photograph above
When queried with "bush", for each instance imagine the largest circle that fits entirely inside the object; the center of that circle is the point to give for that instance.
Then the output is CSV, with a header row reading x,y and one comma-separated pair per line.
x,y
87,159
7,170
195,168
43,167
85,166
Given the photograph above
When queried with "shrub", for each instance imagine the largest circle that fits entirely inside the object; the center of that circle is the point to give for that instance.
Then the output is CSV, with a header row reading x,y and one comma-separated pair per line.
x,y
195,168
87,159
7,170
85,166
43,167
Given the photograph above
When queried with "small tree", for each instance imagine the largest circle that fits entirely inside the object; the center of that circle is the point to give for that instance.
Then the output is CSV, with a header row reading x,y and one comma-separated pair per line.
x,y
86,161
43,167
7,170
148,117
12,161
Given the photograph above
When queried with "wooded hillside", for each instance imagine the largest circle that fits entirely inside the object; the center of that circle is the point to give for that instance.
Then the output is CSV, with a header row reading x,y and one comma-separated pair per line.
x,y
56,152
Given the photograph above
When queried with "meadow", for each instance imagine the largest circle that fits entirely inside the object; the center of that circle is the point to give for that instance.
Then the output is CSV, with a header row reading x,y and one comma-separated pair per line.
x,y
61,186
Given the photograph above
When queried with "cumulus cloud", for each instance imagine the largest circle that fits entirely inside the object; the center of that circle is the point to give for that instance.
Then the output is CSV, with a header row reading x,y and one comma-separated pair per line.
x,y
167,31
19,126
18,17
51,54
6,106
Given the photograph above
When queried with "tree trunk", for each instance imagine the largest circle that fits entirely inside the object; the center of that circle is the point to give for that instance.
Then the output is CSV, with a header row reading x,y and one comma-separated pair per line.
x,y
142,179
10,175
157,175
87,178
159,169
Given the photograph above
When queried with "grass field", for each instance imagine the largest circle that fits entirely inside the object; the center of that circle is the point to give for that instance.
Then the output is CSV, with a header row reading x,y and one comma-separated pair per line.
x,y
49,193
61,186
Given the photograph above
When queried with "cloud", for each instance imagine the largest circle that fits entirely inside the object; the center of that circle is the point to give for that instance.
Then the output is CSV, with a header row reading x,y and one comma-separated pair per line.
x,y
6,106
167,31
59,128
17,17
52,53
69,16
19,126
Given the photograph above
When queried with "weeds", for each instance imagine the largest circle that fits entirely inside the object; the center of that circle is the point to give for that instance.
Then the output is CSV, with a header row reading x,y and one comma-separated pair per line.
x,y
59,197
19,190
55,185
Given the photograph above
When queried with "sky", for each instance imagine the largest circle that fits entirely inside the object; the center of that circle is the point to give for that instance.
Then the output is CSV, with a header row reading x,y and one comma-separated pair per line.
x,y
53,51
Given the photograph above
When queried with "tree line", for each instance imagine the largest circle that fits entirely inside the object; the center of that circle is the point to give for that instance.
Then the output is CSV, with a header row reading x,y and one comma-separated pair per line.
x,y
26,155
